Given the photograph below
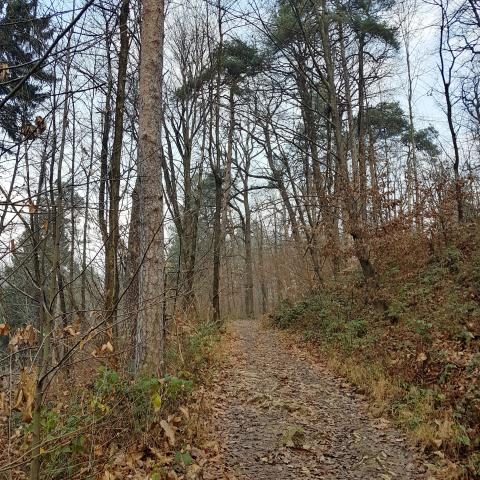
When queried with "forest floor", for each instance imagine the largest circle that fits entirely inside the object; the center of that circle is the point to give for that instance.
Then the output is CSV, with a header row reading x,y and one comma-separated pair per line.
x,y
280,414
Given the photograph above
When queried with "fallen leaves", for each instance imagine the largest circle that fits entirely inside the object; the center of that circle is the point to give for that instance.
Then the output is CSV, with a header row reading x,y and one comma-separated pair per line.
x,y
315,426
294,437
422,357
108,476
107,347
169,432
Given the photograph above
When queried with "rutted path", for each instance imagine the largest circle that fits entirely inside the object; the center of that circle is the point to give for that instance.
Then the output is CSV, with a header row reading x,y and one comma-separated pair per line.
x,y
279,416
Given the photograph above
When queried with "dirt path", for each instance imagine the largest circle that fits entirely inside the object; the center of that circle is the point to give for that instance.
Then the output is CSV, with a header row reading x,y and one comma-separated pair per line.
x,y
280,416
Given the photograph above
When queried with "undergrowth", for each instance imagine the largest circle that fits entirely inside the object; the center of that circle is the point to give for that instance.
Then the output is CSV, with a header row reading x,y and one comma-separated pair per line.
x,y
115,413
418,360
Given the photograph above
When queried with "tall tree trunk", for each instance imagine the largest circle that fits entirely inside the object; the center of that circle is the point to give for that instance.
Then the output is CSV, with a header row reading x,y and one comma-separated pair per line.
x,y
372,163
261,266
249,305
149,352
111,247
132,277
446,74
216,168
353,221
44,328
106,127
362,163
352,143
217,241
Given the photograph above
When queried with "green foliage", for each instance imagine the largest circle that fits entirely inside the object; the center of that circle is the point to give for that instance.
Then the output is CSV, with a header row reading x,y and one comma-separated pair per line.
x,y
68,426
204,338
426,140
422,327
451,258
196,348
474,363
446,372
240,59
415,407
287,314
176,387
291,22
324,320
387,120
138,403
375,29
23,36
183,458
236,59
466,337
462,438
395,309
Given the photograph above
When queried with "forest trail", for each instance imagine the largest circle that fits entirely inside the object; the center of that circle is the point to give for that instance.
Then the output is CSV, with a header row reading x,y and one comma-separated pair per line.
x,y
278,415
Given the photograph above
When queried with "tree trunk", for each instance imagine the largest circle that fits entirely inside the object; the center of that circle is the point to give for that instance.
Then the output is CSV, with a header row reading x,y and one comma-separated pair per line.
x,y
132,278
261,266
149,352
353,222
249,305
446,73
111,247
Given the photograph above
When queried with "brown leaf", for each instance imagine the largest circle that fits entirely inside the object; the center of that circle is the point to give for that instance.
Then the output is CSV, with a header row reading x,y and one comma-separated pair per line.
x,y
70,330
18,400
29,335
169,432
185,413
422,357
4,329
2,401
161,458
107,347
13,343
193,472
108,476
26,393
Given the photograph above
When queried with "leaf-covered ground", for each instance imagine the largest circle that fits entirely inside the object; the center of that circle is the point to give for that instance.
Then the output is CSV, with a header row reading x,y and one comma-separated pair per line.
x,y
280,415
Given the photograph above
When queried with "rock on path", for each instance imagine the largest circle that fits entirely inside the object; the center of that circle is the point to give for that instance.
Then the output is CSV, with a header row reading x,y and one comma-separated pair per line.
x,y
279,416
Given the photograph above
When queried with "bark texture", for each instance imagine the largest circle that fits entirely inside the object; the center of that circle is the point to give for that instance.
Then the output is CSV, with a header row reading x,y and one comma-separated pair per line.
x,y
149,341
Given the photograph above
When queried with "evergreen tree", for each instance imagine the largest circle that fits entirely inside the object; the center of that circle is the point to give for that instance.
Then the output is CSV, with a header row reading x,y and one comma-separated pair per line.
x,y
23,38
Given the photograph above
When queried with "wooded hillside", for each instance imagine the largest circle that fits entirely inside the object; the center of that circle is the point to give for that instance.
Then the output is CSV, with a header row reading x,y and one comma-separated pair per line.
x,y
168,167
